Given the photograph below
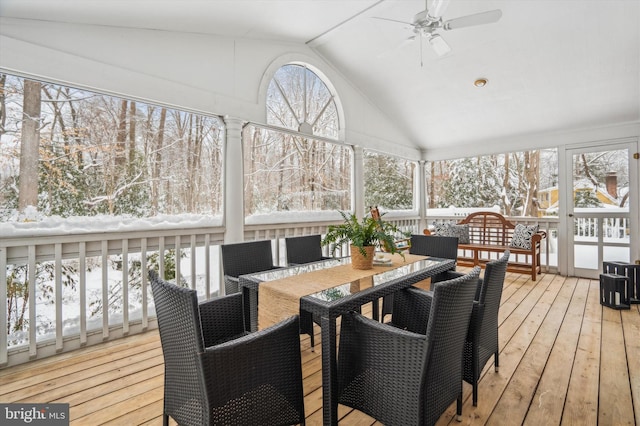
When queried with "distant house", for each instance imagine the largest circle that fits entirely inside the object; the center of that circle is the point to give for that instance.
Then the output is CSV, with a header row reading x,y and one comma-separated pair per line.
x,y
609,194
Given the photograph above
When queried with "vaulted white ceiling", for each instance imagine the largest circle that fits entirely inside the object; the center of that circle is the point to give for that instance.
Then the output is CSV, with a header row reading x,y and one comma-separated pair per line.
x,y
551,65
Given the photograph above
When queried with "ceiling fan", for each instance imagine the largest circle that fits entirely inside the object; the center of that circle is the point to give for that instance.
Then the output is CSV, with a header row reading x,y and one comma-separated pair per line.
x,y
425,24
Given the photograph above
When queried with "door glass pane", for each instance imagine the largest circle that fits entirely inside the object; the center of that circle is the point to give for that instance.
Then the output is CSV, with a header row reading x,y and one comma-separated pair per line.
x,y
601,181
600,185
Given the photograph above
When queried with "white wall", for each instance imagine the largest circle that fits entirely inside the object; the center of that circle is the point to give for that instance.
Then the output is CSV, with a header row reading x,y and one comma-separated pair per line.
x,y
202,73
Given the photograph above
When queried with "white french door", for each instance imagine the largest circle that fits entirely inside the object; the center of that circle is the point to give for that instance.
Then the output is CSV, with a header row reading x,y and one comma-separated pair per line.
x,y
601,206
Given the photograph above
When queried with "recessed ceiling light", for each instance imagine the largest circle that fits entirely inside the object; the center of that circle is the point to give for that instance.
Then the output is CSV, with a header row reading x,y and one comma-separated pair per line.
x,y
481,82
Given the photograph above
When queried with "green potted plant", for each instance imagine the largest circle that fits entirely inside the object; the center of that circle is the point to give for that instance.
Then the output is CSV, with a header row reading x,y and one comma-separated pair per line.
x,y
363,236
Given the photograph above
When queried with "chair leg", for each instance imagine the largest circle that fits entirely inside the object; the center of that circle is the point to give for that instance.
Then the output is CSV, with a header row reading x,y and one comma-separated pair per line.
x,y
459,407
497,362
165,419
476,375
475,392
312,338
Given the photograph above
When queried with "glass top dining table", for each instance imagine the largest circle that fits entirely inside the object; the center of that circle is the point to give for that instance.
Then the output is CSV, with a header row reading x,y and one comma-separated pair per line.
x,y
329,289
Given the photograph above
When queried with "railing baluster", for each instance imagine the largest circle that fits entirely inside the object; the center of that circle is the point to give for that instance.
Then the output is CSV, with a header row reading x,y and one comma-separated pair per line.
x,y
144,273
176,243
193,261
32,301
125,286
161,256
105,289
4,294
82,265
207,265
58,294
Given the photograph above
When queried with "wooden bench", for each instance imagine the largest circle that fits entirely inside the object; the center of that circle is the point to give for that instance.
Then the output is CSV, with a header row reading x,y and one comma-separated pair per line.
x,y
490,232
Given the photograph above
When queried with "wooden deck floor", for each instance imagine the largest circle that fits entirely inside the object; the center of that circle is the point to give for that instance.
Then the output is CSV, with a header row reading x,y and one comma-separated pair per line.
x,y
564,360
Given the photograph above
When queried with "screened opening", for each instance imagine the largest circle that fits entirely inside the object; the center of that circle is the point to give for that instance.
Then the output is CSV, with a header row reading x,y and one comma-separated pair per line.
x,y
514,184
284,172
87,154
388,182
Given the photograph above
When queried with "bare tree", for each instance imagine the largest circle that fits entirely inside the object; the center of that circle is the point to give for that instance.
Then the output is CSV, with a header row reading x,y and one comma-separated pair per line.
x,y
155,186
3,104
121,136
28,183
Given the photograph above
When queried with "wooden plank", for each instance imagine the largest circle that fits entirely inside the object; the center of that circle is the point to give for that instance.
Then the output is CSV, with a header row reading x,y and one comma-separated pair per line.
x,y
65,376
114,384
81,354
581,405
631,329
615,404
518,394
111,405
551,391
108,409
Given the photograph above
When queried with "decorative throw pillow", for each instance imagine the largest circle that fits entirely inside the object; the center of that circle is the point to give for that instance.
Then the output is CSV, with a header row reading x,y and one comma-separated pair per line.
x,y
460,231
449,230
522,236
441,229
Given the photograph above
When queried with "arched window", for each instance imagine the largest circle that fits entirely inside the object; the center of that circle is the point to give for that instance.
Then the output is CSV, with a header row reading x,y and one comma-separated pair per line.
x,y
299,100
298,168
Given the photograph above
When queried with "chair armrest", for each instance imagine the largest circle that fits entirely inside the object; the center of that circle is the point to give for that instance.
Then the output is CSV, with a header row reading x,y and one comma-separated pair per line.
x,y
445,276
267,361
221,319
231,284
411,308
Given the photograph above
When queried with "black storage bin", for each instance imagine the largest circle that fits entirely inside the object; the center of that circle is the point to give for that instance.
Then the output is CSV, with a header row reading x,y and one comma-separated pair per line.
x,y
614,291
629,270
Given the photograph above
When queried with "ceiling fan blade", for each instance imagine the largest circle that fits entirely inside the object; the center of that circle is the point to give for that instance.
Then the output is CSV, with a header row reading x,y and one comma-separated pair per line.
x,y
404,43
472,20
392,20
437,9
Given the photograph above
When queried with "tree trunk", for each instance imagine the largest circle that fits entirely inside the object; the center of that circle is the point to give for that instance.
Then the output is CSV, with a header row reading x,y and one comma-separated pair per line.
x,y
155,188
121,137
3,104
506,184
28,185
531,171
132,136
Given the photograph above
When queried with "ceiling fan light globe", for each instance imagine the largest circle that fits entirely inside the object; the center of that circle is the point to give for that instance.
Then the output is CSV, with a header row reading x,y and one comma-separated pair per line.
x,y
439,45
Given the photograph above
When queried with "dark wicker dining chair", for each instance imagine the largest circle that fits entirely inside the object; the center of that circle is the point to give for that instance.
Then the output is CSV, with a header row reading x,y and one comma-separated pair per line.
x,y
244,258
300,250
482,339
403,377
304,249
215,372
427,245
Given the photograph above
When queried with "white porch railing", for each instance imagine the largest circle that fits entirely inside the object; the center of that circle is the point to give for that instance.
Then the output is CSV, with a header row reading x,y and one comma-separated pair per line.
x,y
64,312
72,282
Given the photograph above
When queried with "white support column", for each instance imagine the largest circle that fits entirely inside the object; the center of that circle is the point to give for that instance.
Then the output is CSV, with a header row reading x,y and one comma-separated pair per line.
x,y
233,181
421,195
358,181
565,225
